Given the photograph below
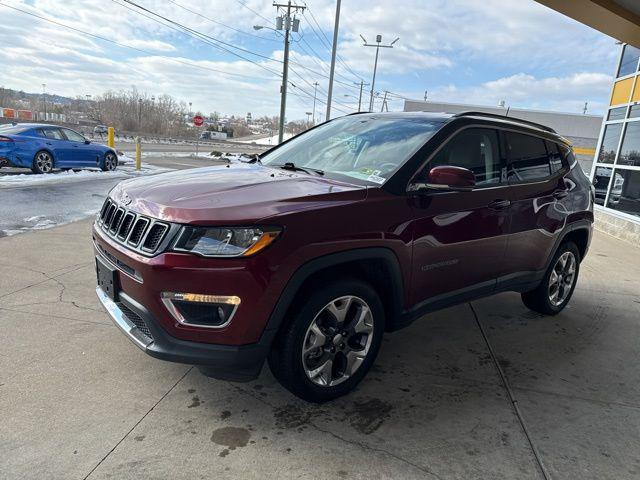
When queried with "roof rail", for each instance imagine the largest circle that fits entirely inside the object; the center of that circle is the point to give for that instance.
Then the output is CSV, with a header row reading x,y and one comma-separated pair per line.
x,y
504,117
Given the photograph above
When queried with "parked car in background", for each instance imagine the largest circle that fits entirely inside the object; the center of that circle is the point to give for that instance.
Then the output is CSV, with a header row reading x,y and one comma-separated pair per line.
x,y
306,255
100,130
43,147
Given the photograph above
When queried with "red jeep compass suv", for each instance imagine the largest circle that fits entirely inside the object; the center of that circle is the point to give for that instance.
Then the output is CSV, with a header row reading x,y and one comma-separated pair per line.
x,y
307,254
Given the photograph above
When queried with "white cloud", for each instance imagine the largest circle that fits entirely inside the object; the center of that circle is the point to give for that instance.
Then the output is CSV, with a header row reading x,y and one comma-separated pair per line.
x,y
155,45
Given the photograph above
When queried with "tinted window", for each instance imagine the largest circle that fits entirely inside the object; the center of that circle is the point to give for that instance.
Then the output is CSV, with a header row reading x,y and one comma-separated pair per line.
x,y
53,133
630,150
475,149
73,136
610,143
555,157
528,158
617,113
629,62
625,192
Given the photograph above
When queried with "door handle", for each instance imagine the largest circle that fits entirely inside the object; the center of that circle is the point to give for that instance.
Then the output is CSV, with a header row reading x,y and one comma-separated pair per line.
x,y
560,194
499,204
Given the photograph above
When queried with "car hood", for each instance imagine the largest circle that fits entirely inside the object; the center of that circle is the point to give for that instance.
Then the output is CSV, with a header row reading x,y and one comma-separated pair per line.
x,y
231,194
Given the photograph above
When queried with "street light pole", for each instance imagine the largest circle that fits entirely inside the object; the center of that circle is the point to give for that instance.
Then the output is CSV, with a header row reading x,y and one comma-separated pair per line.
x,y
315,91
333,58
378,46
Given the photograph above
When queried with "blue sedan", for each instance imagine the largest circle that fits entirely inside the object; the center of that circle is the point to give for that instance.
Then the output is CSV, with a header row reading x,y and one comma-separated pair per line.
x,y
42,148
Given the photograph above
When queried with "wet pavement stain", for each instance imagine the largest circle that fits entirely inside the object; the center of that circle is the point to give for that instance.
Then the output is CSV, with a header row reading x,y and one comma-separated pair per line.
x,y
195,402
231,437
225,414
368,416
291,416
138,438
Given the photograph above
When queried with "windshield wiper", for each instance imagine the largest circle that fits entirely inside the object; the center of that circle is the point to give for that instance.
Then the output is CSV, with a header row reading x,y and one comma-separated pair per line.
x,y
292,166
255,159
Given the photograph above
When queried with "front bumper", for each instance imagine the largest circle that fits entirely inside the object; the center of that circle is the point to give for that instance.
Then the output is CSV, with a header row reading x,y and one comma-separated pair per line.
x,y
225,362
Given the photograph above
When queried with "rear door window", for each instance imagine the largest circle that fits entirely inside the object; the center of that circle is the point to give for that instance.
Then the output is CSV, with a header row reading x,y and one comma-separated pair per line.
x,y
528,158
53,134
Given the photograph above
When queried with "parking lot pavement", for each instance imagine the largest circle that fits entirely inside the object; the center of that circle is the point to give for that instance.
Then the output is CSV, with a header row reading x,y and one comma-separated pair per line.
x,y
78,400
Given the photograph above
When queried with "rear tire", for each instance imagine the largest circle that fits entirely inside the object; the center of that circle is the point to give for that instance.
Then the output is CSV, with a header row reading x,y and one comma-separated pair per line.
x,y
42,162
331,341
557,285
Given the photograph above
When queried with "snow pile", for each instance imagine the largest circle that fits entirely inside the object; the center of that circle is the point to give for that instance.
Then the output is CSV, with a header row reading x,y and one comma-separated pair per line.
x,y
69,176
267,140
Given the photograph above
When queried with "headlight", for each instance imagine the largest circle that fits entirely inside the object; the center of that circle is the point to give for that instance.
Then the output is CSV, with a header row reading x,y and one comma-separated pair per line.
x,y
225,241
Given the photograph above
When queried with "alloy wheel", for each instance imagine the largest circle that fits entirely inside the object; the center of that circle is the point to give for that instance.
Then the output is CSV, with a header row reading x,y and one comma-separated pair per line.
x,y
337,341
44,162
562,278
109,162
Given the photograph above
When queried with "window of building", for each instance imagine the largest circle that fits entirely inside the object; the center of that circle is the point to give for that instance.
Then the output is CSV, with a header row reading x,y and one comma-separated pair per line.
x,y
475,149
634,111
625,192
617,113
630,150
528,158
610,143
601,179
629,63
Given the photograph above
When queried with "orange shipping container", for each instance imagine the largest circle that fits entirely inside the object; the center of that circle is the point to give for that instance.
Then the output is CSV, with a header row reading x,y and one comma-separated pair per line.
x,y
8,112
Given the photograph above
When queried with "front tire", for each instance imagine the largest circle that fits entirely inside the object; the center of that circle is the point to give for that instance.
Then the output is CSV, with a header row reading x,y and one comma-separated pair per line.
x,y
331,341
110,162
556,288
42,162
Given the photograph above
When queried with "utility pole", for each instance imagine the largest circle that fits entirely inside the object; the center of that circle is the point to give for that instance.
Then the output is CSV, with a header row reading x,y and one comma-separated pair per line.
x,y
384,102
425,95
333,58
362,84
586,107
315,91
286,23
375,65
44,99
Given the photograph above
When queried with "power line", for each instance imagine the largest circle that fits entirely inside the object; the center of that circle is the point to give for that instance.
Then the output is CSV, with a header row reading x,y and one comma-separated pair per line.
x,y
114,42
222,24
257,13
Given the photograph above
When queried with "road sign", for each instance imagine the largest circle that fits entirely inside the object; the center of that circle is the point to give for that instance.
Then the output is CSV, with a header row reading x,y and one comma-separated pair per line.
x,y
198,120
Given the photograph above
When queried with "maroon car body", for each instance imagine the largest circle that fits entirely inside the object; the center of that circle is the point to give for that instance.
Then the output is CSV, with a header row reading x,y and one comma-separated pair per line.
x,y
422,241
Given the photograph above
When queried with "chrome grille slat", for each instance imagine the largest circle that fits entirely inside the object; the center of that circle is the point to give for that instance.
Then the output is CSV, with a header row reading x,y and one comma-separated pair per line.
x,y
137,232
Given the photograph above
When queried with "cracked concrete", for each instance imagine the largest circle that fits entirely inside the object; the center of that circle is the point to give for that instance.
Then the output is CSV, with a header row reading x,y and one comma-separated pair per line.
x,y
79,401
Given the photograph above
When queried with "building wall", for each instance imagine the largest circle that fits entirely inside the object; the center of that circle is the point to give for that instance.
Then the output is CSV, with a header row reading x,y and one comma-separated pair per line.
x,y
616,170
581,130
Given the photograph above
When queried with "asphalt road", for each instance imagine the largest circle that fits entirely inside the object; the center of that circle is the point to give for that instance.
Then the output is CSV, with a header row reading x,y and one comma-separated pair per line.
x,y
39,206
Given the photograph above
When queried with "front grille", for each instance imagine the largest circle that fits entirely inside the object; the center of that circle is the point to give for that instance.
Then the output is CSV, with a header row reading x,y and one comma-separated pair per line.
x,y
136,231
154,237
134,318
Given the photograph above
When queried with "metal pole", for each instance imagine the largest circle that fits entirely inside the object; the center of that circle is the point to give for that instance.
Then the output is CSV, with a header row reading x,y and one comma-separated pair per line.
x,y
333,58
360,96
315,91
285,75
373,81
384,102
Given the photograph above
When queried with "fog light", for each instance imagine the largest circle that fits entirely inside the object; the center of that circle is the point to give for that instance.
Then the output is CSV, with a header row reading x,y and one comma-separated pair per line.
x,y
209,311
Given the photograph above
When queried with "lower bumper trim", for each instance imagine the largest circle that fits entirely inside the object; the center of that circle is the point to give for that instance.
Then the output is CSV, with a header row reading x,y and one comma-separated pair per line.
x,y
122,322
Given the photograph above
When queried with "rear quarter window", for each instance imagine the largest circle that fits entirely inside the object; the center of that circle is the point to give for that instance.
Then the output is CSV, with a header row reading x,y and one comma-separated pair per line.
x,y
528,158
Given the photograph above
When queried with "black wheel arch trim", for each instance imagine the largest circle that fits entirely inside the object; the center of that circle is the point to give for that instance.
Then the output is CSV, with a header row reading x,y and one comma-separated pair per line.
x,y
319,264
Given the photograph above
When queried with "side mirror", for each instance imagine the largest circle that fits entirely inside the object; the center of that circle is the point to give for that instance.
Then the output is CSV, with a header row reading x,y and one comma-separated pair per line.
x,y
87,142
452,178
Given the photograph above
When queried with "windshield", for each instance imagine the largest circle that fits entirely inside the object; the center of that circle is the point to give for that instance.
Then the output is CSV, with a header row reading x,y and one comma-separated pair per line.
x,y
367,148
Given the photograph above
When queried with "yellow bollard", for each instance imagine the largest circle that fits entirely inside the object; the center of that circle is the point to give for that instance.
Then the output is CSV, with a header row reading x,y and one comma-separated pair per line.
x,y
138,153
110,137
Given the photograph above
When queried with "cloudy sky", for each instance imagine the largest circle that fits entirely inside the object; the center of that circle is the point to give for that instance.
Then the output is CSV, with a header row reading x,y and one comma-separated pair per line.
x,y
469,51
